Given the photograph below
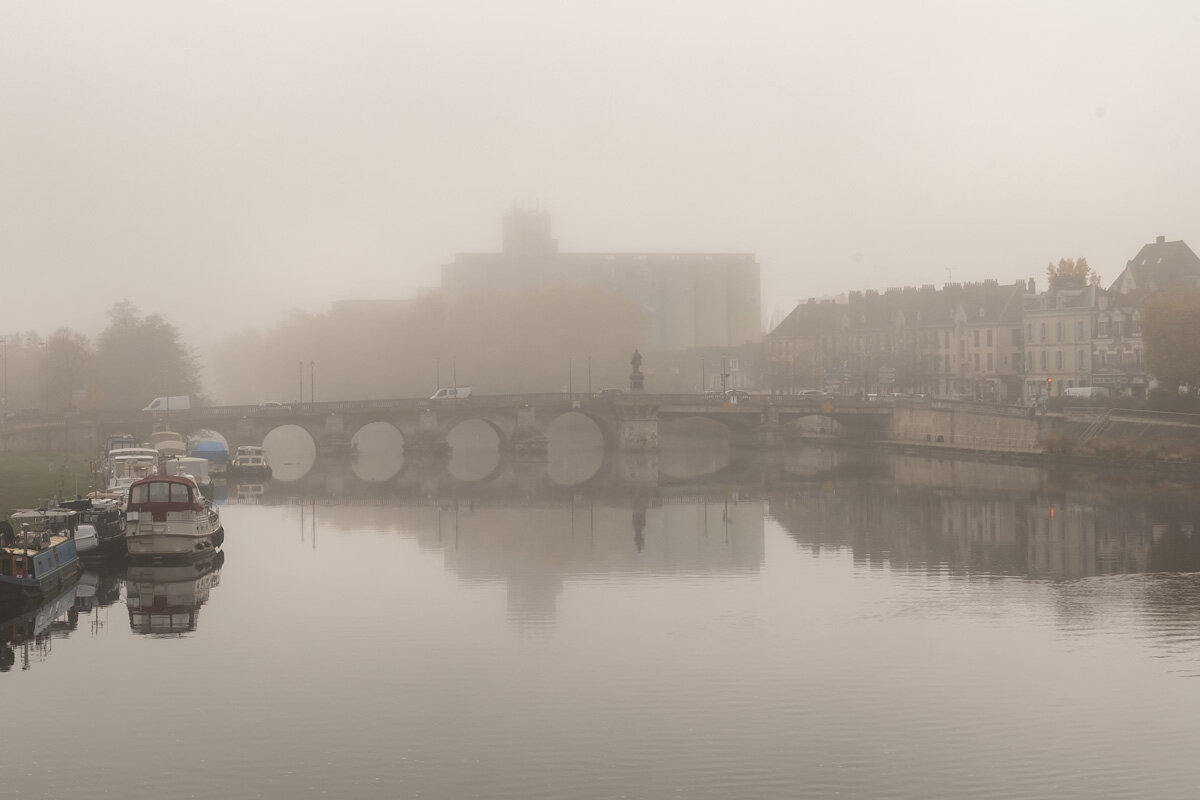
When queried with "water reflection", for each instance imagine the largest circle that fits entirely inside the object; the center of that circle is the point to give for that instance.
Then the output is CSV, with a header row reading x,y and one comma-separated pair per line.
x,y
165,599
28,628
939,514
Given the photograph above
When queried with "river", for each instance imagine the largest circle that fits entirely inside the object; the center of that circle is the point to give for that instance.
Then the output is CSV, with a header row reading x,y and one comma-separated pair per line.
x,y
700,623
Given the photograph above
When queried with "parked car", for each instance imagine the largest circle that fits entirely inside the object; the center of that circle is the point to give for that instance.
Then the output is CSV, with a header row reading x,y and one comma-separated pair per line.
x,y
610,393
270,406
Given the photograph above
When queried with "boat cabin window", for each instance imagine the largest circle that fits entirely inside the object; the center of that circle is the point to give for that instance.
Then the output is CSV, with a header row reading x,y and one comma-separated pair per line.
x,y
159,492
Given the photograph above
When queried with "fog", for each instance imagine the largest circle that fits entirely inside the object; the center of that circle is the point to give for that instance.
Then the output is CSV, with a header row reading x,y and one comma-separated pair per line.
x,y
224,163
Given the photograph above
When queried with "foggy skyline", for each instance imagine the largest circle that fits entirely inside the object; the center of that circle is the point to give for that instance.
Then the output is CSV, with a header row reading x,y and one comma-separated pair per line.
x,y
221,164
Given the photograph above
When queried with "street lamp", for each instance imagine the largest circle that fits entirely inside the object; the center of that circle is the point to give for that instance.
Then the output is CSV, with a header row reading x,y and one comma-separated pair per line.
x,y
301,381
312,380
4,397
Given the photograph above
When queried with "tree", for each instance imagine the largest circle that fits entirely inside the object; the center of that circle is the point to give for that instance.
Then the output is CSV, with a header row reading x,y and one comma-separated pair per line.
x,y
139,358
1170,329
66,370
1071,272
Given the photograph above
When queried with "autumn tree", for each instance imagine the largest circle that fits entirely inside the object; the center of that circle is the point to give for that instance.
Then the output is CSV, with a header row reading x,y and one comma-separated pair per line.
x,y
1072,273
141,357
1170,330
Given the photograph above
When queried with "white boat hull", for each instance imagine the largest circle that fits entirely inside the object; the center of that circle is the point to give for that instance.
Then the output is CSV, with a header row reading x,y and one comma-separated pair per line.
x,y
172,538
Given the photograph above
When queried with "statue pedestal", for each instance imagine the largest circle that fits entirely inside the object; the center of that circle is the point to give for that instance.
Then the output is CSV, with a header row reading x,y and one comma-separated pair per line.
x,y
637,382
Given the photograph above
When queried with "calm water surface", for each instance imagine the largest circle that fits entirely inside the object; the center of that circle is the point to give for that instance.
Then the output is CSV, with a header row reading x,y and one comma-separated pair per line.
x,y
703,623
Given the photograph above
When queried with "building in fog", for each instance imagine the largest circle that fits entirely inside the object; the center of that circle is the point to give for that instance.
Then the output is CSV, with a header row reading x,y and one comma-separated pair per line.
x,y
961,341
688,299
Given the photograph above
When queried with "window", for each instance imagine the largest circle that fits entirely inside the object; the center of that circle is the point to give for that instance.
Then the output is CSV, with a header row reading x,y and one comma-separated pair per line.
x,y
1079,364
1043,332
989,362
1079,330
1058,359
989,337
1044,367
1029,332
976,338
1058,332
1137,358
977,362
1016,334
160,492
179,493
139,494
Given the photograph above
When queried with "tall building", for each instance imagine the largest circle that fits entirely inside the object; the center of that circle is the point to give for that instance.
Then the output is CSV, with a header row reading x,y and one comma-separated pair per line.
x,y
688,299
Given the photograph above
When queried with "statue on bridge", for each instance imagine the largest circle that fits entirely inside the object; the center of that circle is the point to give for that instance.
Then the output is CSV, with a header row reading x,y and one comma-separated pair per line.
x,y
636,378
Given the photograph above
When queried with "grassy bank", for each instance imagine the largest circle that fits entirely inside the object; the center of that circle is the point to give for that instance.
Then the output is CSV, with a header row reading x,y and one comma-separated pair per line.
x,y
27,479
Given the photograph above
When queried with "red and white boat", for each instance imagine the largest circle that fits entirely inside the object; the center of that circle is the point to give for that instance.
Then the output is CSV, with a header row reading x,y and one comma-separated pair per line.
x,y
167,516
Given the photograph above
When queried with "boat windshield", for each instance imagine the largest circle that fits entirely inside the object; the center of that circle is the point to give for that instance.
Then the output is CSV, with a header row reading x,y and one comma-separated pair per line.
x,y
159,492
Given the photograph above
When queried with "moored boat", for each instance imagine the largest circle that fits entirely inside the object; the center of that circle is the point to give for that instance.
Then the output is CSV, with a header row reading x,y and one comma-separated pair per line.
x,y
37,552
250,462
168,443
128,464
167,516
106,518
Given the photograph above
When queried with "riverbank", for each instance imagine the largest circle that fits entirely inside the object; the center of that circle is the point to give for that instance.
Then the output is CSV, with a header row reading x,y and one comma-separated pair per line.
x,y
27,479
1102,455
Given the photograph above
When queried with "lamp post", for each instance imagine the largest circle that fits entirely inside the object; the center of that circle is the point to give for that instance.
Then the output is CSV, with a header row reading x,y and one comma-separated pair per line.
x,y
312,381
301,381
724,373
4,397
589,363
571,377
437,369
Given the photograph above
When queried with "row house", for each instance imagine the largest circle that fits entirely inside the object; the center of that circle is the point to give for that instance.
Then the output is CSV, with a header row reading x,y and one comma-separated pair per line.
x,y
962,341
982,341
1118,361
1059,325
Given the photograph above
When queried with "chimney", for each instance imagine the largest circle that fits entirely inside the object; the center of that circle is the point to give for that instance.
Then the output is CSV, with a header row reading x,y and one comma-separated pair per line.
x,y
1160,240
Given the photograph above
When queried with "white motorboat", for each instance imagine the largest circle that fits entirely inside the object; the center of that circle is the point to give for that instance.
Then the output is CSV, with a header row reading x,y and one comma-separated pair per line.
x,y
167,516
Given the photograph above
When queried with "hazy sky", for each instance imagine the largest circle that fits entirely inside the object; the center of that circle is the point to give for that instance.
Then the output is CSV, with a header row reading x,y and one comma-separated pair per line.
x,y
223,162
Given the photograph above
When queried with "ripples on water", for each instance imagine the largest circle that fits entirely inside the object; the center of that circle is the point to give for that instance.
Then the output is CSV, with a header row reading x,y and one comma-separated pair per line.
x,y
808,624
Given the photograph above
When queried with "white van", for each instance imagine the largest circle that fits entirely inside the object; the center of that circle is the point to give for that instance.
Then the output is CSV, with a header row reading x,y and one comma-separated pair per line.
x,y
451,393
1086,392
163,405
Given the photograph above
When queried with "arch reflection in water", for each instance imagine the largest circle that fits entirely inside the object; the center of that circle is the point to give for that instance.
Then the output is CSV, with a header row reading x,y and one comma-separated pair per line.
x,y
379,452
291,452
165,599
474,450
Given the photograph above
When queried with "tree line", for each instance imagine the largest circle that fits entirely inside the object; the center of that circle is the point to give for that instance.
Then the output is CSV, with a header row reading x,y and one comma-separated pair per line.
x,y
137,357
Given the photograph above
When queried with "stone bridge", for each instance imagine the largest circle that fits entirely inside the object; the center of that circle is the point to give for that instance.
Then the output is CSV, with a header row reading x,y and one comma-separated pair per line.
x,y
627,422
